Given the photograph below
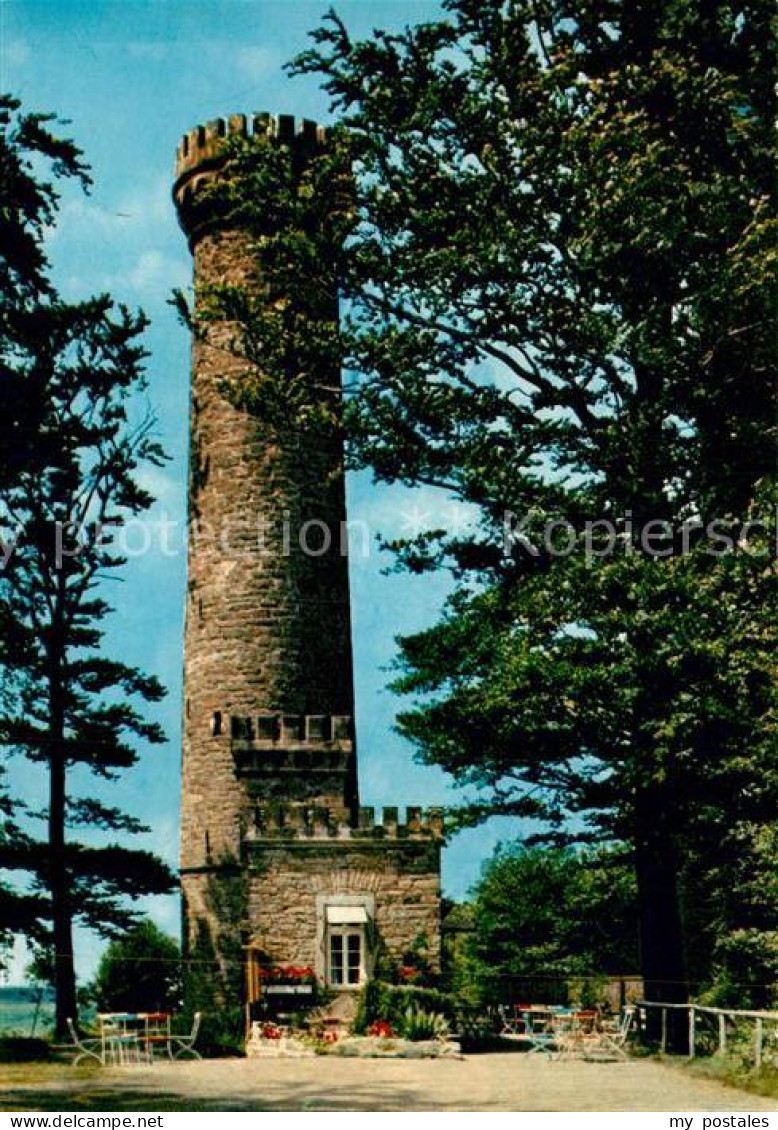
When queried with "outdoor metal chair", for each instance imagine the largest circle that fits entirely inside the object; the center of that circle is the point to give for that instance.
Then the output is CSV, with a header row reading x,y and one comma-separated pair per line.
x,y
86,1048
122,1037
512,1020
186,1042
538,1035
616,1040
581,1037
156,1034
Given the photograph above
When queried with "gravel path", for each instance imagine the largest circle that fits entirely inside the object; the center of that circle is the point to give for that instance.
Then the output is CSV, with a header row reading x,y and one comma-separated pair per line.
x,y
489,1082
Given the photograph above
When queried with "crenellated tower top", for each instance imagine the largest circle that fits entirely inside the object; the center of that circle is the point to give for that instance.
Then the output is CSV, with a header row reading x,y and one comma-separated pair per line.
x,y
202,156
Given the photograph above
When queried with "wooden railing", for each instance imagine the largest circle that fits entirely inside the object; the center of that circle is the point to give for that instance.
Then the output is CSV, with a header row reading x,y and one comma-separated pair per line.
x,y
722,1015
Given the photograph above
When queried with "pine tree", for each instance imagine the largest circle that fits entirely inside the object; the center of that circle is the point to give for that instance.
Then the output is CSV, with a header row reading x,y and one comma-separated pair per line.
x,y
73,372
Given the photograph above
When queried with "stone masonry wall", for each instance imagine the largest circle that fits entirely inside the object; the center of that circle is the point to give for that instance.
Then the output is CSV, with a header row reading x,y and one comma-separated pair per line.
x,y
267,627
284,881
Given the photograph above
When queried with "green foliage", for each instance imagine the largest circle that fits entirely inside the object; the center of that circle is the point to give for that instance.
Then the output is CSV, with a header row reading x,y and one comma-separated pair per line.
x,y
419,1024
223,1033
379,1000
561,278
139,972
29,151
745,970
22,1049
738,1071
292,344
214,968
550,914
415,966
456,974
28,202
70,375
477,1030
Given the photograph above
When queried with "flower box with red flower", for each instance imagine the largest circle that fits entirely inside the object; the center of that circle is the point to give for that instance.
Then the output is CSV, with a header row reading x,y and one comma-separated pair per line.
x,y
287,980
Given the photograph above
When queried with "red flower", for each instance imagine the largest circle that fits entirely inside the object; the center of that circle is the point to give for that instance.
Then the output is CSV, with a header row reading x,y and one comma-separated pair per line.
x,y
271,1032
287,973
409,973
381,1029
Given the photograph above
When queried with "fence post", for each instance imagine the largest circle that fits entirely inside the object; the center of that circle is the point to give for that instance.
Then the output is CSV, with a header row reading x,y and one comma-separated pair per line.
x,y
663,1044
758,1037
722,1034
692,1032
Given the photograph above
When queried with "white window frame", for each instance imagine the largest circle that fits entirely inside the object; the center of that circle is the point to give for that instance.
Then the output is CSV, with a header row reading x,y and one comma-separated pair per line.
x,y
344,933
325,900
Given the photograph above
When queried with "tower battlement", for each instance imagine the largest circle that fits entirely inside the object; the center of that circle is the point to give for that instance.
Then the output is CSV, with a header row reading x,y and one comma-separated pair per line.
x,y
202,154
205,143
317,822
285,731
296,756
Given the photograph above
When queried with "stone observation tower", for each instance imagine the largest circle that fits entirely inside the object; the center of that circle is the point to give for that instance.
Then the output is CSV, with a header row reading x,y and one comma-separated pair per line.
x,y
279,864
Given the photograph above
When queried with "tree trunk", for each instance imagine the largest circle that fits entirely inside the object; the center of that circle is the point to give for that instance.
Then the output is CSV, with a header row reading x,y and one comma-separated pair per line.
x,y
661,935
59,883
660,928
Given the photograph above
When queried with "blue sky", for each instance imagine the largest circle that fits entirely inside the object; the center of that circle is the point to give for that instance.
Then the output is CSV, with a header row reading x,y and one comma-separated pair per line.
x,y
132,76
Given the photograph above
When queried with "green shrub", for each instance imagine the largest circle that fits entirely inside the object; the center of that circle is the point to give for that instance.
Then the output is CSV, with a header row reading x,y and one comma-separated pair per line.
x,y
477,1031
759,1081
379,1000
745,964
222,1033
418,1024
587,992
23,1049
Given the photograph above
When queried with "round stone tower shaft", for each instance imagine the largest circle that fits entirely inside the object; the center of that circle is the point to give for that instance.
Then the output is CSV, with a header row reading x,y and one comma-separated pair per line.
x,y
268,686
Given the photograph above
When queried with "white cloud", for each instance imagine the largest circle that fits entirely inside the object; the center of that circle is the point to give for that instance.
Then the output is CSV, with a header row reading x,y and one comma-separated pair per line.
x,y
154,272
147,50
122,245
149,202
148,280
79,214
138,214
254,61
15,53
167,489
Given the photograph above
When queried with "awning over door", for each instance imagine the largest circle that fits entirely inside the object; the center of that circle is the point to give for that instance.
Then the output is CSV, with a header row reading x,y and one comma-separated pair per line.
x,y
346,915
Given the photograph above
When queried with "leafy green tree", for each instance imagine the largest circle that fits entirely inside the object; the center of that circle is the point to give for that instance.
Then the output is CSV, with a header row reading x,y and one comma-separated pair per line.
x,y
140,971
75,372
558,271
646,722
550,914
738,891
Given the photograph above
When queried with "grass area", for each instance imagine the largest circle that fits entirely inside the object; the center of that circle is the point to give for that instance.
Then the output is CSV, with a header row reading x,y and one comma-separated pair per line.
x,y
759,1081
34,1074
